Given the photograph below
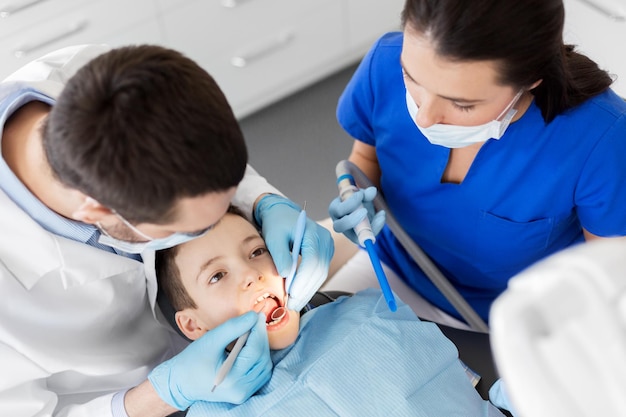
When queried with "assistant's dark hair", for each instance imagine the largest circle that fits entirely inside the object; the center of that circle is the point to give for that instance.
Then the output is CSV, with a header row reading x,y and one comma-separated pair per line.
x,y
139,127
524,36
168,274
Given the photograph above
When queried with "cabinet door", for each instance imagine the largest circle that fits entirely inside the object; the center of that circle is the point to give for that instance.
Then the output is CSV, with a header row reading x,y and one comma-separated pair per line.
x,y
18,15
598,28
114,22
260,50
367,20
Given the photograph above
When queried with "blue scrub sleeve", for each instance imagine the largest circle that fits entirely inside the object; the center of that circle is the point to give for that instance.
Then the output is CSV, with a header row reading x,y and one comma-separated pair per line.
x,y
601,192
356,103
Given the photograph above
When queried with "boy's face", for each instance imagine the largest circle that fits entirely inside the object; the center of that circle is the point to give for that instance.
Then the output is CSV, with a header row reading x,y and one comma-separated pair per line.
x,y
228,272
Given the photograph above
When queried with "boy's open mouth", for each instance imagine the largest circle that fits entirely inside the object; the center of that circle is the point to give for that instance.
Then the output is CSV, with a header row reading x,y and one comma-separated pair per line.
x,y
272,308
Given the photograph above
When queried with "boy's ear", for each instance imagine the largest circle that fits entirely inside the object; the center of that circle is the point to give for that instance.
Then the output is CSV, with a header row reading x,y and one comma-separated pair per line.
x,y
189,324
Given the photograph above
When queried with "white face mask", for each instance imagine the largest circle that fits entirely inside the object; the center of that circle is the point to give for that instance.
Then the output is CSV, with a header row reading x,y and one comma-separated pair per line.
x,y
150,244
453,136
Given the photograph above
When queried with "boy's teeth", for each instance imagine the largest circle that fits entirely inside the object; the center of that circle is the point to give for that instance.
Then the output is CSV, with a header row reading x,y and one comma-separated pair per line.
x,y
263,297
272,322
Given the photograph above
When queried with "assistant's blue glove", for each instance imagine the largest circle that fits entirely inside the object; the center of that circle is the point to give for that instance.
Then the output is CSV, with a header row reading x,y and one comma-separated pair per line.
x,y
189,376
277,217
499,397
346,215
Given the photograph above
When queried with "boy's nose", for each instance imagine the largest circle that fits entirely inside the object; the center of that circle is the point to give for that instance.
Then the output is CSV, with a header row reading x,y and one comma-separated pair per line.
x,y
252,277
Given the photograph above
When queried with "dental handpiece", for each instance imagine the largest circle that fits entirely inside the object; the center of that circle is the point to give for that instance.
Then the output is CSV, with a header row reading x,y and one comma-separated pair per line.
x,y
363,230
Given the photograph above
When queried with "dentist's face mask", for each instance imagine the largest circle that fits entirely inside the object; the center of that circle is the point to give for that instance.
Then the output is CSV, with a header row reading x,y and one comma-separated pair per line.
x,y
150,243
453,136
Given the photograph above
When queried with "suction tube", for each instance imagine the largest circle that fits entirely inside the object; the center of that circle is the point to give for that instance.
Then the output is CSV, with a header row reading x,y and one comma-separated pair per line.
x,y
428,267
363,230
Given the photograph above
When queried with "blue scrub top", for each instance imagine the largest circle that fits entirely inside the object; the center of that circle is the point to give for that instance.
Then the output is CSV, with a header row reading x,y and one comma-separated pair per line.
x,y
525,196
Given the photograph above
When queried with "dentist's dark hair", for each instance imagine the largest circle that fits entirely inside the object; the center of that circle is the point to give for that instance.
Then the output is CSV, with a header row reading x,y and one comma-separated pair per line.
x,y
140,127
524,37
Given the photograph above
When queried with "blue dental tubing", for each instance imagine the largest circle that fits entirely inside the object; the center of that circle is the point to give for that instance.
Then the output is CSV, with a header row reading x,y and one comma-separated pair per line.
x,y
425,263
347,187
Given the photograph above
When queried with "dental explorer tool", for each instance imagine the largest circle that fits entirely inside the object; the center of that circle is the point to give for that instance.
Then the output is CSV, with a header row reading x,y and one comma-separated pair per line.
x,y
363,230
298,236
230,360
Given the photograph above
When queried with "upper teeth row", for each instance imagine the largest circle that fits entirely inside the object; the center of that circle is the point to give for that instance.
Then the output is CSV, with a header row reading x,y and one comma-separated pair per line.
x,y
263,297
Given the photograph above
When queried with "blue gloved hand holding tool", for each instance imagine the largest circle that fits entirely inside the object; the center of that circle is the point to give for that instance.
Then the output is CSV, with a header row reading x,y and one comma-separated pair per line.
x,y
363,231
277,217
346,215
189,376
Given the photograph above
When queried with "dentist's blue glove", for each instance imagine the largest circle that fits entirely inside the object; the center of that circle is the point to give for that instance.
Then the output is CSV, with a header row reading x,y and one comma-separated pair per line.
x,y
346,215
277,217
189,376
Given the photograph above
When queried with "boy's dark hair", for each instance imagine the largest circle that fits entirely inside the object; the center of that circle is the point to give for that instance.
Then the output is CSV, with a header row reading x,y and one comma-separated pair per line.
x,y
525,37
140,127
168,274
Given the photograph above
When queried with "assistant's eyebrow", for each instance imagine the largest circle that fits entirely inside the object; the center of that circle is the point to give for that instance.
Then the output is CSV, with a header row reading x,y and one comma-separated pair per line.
x,y
455,99
211,261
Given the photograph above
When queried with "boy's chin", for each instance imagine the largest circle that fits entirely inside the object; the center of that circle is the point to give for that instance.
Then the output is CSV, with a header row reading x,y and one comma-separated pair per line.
x,y
281,344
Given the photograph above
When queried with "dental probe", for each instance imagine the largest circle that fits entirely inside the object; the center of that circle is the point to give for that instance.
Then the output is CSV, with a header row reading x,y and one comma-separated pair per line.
x,y
298,235
230,360
363,230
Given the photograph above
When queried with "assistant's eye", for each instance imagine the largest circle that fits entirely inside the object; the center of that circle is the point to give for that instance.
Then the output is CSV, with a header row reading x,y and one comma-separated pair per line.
x,y
463,108
258,252
215,278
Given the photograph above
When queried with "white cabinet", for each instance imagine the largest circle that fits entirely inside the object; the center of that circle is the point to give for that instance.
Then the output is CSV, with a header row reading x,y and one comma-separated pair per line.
x,y
258,50
598,28
31,28
262,50
368,17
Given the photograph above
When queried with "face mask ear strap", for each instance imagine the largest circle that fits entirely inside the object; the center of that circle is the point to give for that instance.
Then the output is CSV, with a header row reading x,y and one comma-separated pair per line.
x,y
511,104
133,228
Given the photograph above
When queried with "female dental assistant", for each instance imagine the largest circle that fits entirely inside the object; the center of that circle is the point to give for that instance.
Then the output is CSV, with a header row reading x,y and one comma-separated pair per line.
x,y
493,143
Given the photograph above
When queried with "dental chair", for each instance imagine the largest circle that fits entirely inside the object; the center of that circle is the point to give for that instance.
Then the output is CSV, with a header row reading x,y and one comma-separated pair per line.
x,y
559,333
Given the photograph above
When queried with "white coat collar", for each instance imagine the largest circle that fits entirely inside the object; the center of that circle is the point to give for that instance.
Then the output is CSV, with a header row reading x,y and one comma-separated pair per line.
x,y
30,252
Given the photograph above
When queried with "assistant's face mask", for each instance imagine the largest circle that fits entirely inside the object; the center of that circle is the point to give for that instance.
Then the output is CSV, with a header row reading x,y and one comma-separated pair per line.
x,y
454,136
150,244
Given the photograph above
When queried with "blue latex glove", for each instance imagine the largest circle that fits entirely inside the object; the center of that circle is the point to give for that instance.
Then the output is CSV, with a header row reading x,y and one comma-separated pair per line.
x,y
349,213
499,397
188,377
277,217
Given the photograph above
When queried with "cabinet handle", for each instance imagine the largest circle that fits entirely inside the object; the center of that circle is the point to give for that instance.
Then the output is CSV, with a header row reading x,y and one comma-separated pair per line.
x,y
12,8
232,3
276,43
70,30
609,8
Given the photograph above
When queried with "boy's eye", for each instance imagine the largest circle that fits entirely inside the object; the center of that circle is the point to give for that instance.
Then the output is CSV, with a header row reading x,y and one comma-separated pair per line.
x,y
258,252
215,278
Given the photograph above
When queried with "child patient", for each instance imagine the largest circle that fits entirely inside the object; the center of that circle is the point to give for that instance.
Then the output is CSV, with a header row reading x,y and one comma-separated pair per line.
x,y
350,357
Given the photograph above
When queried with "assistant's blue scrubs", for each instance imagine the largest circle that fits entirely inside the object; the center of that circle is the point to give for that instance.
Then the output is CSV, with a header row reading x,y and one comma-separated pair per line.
x,y
525,196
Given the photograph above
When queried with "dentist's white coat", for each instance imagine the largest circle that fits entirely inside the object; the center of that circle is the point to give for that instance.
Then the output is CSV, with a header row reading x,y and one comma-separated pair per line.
x,y
77,324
